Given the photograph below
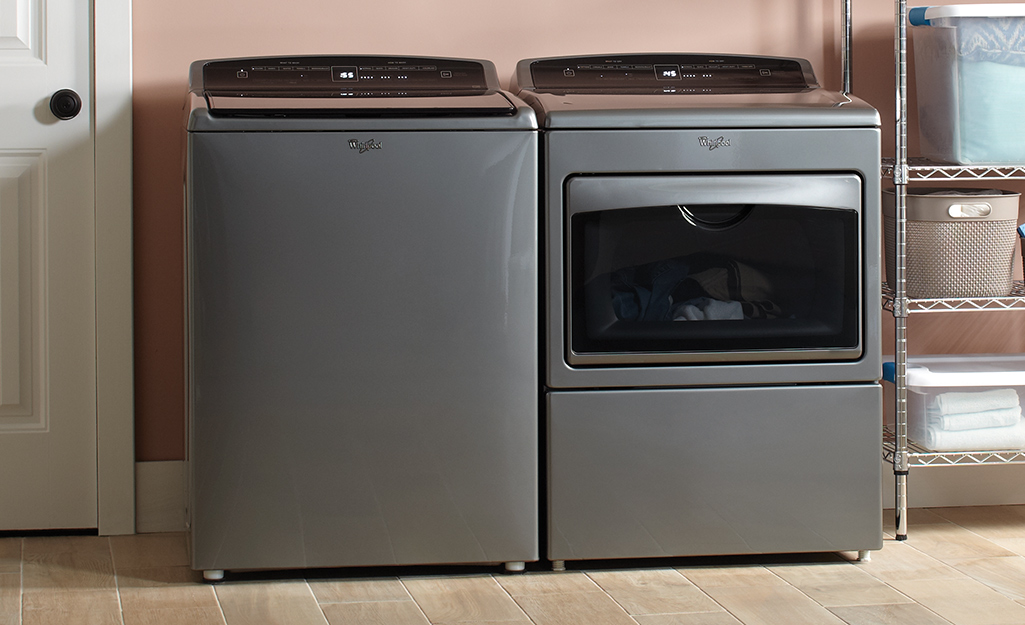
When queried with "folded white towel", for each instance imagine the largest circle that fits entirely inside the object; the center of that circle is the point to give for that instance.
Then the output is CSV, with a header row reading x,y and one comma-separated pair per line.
x,y
958,403
1012,437
974,420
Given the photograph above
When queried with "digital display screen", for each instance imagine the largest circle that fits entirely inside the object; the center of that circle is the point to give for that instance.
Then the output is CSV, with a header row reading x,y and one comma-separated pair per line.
x,y
344,73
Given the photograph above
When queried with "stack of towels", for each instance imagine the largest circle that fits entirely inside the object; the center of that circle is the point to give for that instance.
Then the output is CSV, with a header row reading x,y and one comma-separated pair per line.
x,y
986,420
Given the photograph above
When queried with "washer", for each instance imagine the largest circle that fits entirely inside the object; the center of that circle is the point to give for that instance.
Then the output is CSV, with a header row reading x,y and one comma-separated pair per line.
x,y
711,281
362,245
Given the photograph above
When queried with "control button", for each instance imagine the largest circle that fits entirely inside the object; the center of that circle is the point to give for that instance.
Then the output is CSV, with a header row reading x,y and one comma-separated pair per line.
x,y
242,74
568,73
667,72
446,73
765,72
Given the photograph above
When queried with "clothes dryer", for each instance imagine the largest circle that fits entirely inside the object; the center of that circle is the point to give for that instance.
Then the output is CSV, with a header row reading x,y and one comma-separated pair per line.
x,y
712,299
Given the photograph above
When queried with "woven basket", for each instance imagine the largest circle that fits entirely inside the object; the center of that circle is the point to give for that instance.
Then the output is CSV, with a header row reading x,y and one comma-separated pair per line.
x,y
948,256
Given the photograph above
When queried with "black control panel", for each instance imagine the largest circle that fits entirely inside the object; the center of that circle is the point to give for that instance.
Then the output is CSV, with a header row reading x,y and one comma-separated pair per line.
x,y
671,73
344,76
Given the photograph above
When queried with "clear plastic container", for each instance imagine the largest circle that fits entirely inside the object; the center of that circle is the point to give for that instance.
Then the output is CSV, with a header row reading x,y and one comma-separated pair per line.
x,y
966,402
970,82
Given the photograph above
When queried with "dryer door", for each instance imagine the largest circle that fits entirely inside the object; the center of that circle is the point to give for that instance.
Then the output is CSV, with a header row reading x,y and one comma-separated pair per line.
x,y
673,269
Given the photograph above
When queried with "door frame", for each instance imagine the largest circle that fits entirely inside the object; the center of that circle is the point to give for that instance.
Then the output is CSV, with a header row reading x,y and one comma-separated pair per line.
x,y
112,133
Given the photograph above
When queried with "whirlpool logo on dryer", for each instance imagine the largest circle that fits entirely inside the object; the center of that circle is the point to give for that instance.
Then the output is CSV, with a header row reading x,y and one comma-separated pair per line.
x,y
364,146
712,144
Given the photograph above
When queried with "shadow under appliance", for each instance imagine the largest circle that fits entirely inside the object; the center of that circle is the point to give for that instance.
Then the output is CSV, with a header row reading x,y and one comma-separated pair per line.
x,y
363,300
711,288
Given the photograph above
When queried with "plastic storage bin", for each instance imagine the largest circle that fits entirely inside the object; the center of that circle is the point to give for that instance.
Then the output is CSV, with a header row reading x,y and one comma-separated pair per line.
x,y
970,82
960,242
965,402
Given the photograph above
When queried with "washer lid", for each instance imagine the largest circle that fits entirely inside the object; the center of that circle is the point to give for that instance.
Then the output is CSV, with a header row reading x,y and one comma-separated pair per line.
x,y
348,85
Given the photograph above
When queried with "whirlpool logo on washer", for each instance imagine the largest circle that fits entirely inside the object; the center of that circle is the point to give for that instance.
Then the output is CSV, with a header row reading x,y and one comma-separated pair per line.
x,y
712,144
364,146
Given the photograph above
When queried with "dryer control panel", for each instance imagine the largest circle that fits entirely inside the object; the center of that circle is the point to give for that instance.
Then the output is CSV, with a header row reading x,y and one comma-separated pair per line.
x,y
671,73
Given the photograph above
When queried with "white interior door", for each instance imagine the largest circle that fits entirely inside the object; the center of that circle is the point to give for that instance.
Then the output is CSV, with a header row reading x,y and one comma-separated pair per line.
x,y
48,460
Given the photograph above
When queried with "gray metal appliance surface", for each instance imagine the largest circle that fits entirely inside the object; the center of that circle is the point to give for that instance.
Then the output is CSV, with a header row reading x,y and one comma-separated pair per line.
x,y
711,272
362,245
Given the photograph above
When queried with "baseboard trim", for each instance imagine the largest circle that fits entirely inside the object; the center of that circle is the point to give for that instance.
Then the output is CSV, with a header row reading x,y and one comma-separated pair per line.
x,y
160,496
959,485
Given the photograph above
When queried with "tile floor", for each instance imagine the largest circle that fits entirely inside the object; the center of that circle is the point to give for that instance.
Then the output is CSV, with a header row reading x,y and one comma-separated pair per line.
x,y
964,566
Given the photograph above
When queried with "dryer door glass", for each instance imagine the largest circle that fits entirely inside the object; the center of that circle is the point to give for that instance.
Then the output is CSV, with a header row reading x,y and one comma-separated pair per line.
x,y
714,269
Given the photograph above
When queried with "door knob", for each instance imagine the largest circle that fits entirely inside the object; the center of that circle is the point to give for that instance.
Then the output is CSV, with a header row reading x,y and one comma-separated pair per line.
x,y
65,104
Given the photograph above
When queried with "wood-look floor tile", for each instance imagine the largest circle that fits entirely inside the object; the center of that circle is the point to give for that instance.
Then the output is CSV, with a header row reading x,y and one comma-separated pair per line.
x,y
988,521
158,577
899,560
10,555
838,584
653,591
164,588
81,607
899,614
1015,545
354,590
964,601
174,616
946,543
76,570
772,605
574,608
915,516
464,600
705,577
374,613
10,598
696,618
149,550
546,583
1005,575
278,603
49,545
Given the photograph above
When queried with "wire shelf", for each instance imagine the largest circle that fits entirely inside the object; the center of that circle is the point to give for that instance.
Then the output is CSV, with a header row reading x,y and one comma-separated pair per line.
x,y
1014,301
919,456
924,169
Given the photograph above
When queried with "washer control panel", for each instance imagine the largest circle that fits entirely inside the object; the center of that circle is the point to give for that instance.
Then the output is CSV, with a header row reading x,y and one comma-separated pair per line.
x,y
671,73
325,76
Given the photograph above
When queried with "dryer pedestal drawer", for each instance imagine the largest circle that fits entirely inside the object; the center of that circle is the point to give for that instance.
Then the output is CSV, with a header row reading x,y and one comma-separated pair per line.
x,y
679,472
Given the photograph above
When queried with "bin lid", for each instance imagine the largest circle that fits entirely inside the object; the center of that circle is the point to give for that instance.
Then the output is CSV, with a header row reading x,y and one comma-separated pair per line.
x,y
982,370
920,16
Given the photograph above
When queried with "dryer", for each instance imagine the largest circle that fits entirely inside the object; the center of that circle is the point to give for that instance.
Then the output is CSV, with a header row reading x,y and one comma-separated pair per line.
x,y
362,245
711,284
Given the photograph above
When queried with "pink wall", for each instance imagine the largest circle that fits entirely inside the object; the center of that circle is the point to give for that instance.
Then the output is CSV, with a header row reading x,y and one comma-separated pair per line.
x,y
168,36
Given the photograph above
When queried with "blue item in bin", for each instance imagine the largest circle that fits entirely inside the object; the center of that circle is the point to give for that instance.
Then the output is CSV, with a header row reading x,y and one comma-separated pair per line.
x,y
890,372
